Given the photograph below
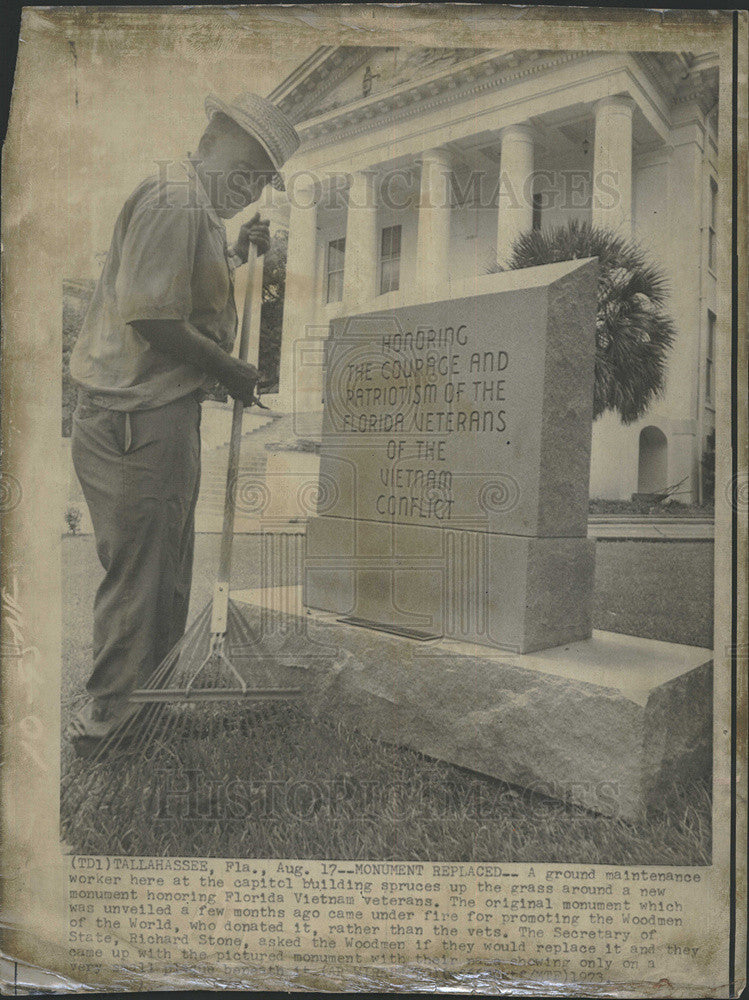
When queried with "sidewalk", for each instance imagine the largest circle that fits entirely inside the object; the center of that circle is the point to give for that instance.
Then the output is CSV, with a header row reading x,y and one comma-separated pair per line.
x,y
653,529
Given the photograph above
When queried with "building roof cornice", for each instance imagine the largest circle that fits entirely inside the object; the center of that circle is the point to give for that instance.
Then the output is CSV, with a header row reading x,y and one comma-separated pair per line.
x,y
679,77
328,65
683,77
467,79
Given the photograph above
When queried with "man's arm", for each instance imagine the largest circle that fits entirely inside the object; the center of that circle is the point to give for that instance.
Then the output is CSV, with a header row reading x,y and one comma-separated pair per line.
x,y
182,341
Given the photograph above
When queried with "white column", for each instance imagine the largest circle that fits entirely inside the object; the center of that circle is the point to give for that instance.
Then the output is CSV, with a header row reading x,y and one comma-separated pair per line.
x,y
360,261
612,164
433,237
298,310
515,203
685,257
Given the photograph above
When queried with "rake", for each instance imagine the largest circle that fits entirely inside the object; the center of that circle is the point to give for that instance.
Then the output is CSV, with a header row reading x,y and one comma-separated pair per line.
x,y
222,671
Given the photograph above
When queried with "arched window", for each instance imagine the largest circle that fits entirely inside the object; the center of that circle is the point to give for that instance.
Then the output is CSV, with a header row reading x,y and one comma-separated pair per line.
x,y
652,470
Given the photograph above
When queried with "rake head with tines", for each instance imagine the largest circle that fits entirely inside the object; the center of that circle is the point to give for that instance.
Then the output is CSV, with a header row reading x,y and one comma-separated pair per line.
x,y
195,702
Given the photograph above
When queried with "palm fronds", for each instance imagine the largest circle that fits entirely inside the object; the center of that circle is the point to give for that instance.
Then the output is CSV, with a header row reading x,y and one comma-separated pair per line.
x,y
633,332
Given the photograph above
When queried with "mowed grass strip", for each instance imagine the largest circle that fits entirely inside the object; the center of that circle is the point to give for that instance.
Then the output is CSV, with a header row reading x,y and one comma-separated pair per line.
x,y
300,787
658,590
288,784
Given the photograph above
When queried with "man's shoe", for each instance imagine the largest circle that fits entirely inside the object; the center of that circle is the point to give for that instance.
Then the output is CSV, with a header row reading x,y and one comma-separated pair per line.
x,y
87,747
92,733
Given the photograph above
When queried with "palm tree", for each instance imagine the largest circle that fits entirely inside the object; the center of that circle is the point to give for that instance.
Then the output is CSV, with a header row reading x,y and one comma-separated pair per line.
x,y
633,333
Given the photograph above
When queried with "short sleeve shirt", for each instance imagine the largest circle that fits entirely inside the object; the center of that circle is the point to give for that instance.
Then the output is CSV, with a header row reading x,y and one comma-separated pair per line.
x,y
168,260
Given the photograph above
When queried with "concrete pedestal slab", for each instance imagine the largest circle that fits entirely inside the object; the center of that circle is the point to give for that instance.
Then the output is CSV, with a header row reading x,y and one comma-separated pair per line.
x,y
611,723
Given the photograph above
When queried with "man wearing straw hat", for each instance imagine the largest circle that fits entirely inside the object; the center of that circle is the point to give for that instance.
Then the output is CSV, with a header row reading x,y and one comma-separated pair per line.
x,y
160,327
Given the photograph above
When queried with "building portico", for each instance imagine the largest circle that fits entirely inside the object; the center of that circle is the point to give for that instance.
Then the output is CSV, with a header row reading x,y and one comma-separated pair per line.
x,y
489,146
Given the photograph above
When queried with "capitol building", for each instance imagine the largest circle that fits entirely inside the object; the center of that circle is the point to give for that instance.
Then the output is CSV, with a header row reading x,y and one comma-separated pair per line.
x,y
419,167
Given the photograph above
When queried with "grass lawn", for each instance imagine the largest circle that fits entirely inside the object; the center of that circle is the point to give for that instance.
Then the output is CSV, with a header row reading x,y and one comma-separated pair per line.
x,y
291,785
659,590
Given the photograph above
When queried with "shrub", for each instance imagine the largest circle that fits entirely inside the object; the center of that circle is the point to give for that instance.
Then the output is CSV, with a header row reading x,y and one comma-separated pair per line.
x,y
633,334
73,518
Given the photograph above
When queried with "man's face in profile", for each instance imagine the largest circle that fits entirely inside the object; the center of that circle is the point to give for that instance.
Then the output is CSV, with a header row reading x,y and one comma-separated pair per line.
x,y
236,170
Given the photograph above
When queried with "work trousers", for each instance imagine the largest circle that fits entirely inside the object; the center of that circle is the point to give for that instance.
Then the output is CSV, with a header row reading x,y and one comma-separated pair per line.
x,y
140,474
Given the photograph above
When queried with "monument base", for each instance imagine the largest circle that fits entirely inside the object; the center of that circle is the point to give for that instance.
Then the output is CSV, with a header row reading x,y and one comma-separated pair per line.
x,y
613,723
510,591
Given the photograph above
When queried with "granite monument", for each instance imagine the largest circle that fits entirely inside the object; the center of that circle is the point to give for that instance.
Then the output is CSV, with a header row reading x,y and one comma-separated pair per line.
x,y
455,465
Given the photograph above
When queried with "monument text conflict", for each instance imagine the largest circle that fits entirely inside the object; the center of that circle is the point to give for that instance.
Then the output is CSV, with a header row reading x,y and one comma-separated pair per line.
x,y
455,465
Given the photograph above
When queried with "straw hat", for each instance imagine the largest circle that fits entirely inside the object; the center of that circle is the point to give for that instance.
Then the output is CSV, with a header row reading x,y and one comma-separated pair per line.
x,y
264,122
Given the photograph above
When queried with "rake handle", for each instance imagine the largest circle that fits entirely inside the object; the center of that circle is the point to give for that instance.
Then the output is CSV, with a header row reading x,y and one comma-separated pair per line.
x,y
221,590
